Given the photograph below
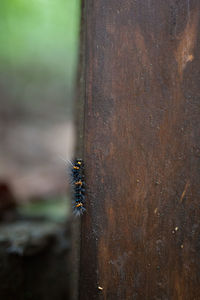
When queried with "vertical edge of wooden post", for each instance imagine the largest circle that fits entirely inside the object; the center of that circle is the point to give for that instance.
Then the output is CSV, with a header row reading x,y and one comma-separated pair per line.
x,y
79,123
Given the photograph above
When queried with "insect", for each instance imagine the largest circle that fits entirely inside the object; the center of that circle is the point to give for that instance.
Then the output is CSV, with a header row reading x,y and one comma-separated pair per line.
x,y
78,183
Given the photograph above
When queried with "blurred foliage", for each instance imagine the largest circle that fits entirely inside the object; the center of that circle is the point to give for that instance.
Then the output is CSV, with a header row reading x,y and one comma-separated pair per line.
x,y
38,49
55,209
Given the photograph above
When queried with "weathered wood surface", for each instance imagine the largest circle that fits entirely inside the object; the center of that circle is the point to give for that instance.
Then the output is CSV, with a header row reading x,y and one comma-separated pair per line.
x,y
141,232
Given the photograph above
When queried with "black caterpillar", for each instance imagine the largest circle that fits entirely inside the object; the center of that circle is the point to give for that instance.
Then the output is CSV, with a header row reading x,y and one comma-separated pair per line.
x,y
78,186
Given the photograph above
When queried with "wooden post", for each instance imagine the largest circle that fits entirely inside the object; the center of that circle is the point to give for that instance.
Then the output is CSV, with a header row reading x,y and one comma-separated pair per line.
x,y
141,232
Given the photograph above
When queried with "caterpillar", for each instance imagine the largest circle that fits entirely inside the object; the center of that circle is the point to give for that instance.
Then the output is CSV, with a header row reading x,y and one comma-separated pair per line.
x,y
78,184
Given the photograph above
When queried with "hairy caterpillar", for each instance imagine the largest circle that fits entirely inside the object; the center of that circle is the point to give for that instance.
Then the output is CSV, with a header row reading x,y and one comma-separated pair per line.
x,y
78,184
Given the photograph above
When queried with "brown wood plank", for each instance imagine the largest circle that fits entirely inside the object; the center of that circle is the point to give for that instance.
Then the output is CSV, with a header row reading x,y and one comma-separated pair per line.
x,y
141,232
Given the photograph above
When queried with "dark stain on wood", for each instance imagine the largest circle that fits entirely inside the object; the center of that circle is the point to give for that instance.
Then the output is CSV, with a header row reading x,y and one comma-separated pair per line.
x,y
141,232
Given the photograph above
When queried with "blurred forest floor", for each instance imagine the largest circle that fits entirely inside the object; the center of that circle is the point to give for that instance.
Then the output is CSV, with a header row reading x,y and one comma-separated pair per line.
x,y
30,156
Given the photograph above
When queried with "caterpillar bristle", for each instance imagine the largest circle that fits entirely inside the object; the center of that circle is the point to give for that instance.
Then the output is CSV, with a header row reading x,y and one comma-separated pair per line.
x,y
79,212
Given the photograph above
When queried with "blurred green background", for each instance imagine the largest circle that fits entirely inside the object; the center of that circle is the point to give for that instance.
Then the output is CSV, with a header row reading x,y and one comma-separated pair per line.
x,y
39,46
38,53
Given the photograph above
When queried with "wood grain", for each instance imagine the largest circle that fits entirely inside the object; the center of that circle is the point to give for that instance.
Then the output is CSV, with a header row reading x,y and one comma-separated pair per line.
x,y
141,232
